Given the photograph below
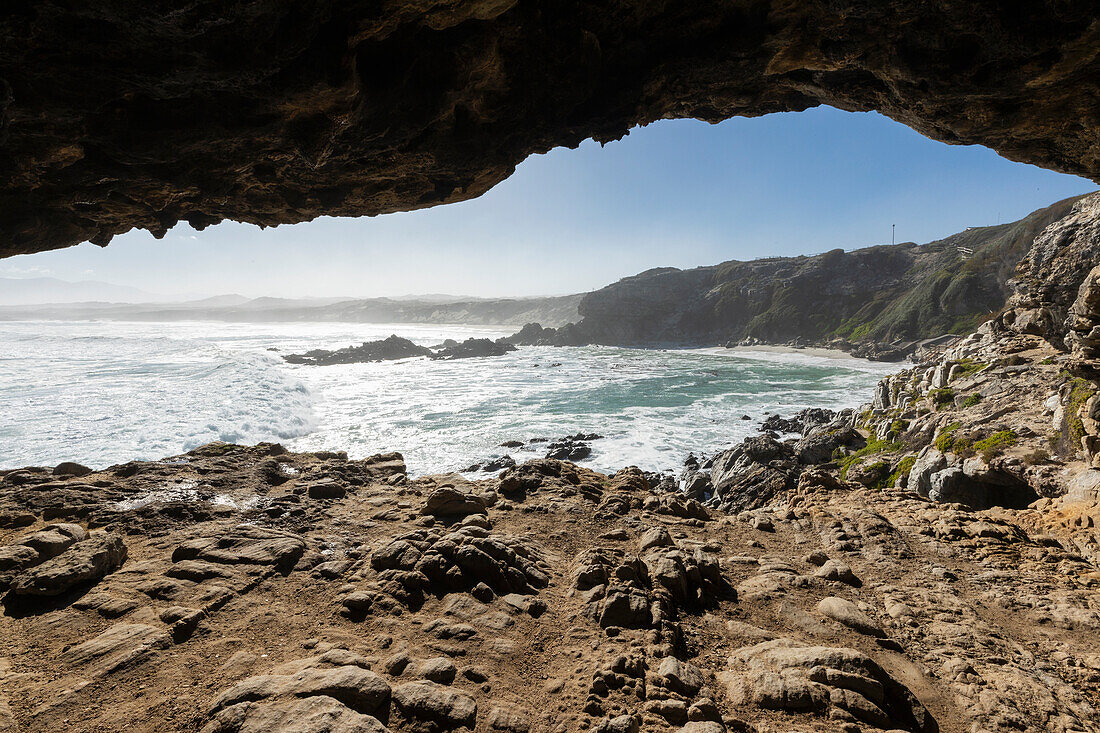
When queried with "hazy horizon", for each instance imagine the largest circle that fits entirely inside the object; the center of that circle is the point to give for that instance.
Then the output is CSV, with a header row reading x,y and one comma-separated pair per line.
x,y
673,194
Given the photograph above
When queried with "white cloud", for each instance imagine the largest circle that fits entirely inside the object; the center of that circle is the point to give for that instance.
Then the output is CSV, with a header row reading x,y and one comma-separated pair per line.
x,y
25,272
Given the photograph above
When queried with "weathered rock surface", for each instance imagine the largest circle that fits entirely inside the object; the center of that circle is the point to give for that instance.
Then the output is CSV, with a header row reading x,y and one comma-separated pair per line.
x,y
124,116
567,600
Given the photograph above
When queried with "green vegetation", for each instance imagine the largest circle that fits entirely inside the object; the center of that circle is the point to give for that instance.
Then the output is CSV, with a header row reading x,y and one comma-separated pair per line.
x,y
898,427
942,397
948,442
1080,393
971,400
873,447
969,366
903,469
993,446
1048,360
946,437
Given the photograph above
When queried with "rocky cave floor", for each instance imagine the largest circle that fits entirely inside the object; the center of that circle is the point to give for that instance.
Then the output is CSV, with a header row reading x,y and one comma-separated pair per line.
x,y
253,589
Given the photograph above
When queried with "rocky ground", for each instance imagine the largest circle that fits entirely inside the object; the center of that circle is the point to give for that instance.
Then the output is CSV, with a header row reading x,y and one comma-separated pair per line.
x,y
251,589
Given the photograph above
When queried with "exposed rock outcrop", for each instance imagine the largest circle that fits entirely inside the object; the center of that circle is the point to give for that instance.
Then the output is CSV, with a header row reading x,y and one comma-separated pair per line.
x,y
388,349
550,598
141,115
395,347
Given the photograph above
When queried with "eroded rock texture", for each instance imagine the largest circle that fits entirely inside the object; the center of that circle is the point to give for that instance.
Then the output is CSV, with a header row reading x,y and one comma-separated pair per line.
x,y
117,115
583,603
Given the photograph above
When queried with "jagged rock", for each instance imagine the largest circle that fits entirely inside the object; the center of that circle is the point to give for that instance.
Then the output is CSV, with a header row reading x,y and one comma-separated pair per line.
x,y
929,461
680,677
387,349
751,474
654,537
820,443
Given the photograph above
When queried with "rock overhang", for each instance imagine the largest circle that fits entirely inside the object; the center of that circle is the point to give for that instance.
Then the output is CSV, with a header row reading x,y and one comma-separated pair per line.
x,y
119,116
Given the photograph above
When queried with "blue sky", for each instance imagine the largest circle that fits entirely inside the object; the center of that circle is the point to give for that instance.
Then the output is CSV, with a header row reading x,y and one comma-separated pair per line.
x,y
676,193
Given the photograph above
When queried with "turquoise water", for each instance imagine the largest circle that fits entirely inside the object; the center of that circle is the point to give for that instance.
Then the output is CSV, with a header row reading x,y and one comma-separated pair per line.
x,y
109,392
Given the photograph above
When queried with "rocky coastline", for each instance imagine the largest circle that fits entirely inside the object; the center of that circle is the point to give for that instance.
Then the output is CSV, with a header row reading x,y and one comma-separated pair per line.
x,y
886,303
927,562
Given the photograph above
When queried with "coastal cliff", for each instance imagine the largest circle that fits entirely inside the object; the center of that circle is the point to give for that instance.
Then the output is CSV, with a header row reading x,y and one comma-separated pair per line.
x,y
878,301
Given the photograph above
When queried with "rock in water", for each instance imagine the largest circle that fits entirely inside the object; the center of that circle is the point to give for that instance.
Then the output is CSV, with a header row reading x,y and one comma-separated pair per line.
x,y
472,348
388,349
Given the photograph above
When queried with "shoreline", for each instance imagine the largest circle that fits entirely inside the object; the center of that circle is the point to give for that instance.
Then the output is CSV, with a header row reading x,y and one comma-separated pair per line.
x,y
813,351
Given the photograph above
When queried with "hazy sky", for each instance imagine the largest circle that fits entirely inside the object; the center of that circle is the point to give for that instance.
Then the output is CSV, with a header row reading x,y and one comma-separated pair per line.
x,y
679,193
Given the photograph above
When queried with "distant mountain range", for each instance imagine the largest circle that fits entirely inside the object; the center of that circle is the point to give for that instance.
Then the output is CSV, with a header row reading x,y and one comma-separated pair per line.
x,y
38,290
510,312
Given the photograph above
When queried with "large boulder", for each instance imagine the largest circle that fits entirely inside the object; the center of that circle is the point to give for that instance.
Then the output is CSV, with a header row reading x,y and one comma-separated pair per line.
x,y
435,704
450,502
752,473
82,564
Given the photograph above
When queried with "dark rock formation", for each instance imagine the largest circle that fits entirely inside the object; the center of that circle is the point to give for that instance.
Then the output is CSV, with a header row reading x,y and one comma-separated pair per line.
x,y
123,115
571,447
533,334
396,347
472,348
388,349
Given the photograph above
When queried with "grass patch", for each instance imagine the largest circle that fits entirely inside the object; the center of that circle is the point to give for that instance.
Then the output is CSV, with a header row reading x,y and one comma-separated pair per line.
x,y
1080,393
996,444
948,442
1037,457
873,447
971,400
898,427
942,397
903,469
969,366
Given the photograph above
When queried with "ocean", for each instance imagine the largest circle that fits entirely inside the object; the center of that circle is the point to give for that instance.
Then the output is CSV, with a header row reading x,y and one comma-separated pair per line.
x,y
105,392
